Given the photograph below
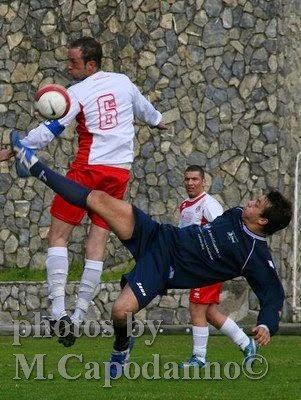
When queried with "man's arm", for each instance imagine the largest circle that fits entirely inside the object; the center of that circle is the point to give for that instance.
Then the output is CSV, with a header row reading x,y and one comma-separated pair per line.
x,y
145,111
212,210
48,130
268,288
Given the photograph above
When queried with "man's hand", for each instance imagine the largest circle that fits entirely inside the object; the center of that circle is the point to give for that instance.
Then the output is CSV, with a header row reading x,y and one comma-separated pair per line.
x,y
262,335
161,126
5,154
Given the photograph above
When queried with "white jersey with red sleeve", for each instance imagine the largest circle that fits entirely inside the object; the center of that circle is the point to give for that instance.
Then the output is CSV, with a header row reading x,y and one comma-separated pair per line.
x,y
104,105
199,210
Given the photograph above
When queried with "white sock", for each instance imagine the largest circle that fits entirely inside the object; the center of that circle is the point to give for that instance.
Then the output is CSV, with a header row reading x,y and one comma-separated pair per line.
x,y
200,339
88,284
235,333
57,271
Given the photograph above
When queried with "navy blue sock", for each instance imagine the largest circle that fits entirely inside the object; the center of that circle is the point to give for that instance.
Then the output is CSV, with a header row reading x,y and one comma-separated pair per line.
x,y
71,191
122,341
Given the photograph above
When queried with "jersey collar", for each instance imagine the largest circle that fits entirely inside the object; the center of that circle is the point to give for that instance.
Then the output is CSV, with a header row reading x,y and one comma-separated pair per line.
x,y
252,234
196,199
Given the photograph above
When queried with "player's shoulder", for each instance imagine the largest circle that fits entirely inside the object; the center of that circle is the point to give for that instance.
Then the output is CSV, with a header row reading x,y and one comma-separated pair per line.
x,y
116,76
236,210
210,200
234,213
76,89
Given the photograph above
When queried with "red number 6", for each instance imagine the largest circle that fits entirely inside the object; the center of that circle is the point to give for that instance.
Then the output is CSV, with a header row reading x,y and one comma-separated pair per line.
x,y
107,111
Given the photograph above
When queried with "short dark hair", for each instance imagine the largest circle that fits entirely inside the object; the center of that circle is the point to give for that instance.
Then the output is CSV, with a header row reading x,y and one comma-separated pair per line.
x,y
91,49
196,168
278,214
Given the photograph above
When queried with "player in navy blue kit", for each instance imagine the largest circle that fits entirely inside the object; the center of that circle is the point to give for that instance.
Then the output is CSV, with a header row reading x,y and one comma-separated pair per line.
x,y
233,245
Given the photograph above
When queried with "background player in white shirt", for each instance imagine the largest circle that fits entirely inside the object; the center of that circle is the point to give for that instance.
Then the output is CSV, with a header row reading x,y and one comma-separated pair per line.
x,y
104,105
201,208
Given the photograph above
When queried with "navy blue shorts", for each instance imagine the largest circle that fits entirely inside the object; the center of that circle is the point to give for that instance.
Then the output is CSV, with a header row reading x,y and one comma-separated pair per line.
x,y
151,246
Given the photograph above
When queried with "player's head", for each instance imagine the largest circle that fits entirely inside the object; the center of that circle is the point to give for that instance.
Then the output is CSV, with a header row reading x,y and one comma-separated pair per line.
x,y
194,180
84,57
269,213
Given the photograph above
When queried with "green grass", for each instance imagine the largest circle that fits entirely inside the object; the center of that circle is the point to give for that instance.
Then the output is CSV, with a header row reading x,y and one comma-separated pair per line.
x,y
281,382
75,271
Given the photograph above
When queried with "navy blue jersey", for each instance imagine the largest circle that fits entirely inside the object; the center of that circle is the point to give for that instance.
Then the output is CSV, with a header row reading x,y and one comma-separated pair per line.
x,y
225,249
195,256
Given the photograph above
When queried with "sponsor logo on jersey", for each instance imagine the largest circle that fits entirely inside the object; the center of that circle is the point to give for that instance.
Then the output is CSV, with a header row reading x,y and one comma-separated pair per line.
x,y
141,288
232,237
171,272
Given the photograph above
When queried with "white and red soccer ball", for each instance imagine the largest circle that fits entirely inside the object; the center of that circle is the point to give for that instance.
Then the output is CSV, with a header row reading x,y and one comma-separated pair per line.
x,y
52,101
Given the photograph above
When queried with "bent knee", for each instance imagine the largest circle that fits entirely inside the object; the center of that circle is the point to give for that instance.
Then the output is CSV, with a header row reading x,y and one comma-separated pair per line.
x,y
119,312
96,197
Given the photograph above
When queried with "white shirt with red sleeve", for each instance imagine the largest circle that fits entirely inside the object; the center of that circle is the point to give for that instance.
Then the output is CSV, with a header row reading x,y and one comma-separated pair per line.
x,y
199,210
104,105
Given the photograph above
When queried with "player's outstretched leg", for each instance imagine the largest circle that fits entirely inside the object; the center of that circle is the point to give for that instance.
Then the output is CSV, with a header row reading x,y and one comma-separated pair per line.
x,y
117,213
71,191
22,172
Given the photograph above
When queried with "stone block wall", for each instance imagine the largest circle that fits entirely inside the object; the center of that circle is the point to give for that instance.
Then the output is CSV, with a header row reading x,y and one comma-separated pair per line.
x,y
225,74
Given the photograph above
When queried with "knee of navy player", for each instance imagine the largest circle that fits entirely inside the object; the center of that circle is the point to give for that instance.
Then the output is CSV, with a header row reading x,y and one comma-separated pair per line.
x,y
95,198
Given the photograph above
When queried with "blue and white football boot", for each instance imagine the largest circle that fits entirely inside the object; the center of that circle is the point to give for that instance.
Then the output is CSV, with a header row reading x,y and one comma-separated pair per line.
x,y
25,157
250,351
193,361
119,359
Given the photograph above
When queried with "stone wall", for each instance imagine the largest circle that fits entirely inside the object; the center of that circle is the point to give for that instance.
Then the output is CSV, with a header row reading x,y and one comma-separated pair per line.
x,y
21,300
225,73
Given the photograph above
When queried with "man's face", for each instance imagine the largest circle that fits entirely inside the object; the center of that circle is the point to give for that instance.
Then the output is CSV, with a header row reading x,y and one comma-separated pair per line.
x,y
194,183
254,209
76,65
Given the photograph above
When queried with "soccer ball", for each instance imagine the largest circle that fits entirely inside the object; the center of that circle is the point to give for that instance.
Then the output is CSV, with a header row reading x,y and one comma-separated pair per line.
x,y
52,101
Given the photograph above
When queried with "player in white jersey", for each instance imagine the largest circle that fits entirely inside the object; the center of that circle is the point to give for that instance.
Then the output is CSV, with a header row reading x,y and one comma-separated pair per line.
x,y
201,208
104,105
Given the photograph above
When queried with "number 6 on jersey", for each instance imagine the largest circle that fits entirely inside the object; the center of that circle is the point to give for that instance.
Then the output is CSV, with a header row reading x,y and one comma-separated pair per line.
x,y
107,111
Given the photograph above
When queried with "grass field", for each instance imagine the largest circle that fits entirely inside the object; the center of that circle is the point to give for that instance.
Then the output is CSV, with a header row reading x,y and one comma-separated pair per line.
x,y
15,274
283,380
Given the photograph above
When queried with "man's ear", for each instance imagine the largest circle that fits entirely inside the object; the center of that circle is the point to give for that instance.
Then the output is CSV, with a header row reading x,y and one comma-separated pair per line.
x,y
262,221
91,66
